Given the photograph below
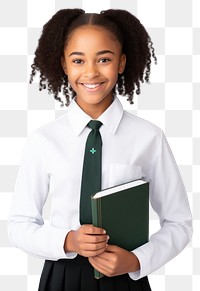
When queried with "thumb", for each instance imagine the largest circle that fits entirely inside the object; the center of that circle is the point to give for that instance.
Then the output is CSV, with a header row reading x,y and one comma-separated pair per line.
x,y
111,248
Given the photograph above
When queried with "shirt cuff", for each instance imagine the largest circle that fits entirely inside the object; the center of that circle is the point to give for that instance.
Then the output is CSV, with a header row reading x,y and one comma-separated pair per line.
x,y
144,255
143,271
135,275
70,255
61,235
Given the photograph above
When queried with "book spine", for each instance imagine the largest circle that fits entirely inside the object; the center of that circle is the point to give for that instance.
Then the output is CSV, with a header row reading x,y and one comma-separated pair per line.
x,y
96,212
97,221
97,274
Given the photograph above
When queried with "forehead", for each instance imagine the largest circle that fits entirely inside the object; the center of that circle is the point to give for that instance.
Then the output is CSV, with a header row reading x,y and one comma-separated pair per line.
x,y
90,35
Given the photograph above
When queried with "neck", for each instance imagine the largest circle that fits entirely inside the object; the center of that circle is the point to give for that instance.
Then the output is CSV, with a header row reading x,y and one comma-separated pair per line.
x,y
94,110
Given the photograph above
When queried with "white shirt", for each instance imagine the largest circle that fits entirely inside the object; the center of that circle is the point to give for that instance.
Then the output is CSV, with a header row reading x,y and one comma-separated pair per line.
x,y
132,148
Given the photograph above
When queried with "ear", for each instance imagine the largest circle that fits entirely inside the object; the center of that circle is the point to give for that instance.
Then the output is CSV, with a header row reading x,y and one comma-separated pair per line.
x,y
64,66
122,64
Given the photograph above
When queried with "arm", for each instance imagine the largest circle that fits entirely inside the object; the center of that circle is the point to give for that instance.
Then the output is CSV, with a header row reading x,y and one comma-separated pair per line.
x,y
26,226
27,229
168,198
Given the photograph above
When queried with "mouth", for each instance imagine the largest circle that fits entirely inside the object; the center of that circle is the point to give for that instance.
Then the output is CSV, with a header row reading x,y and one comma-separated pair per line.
x,y
91,86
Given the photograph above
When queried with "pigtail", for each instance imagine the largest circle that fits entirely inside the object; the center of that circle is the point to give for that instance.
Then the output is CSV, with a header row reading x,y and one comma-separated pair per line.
x,y
49,51
138,48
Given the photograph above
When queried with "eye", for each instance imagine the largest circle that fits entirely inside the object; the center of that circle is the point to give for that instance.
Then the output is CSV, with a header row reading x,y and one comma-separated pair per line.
x,y
78,61
104,60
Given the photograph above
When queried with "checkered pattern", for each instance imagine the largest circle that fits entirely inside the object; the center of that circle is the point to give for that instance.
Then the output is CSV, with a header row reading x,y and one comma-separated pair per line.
x,y
172,101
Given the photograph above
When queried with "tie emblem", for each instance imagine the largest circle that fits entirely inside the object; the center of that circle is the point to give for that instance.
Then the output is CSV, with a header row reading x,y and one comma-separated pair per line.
x,y
93,151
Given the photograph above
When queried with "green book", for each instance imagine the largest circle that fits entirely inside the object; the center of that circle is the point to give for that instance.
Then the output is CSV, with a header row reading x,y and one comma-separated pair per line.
x,y
123,211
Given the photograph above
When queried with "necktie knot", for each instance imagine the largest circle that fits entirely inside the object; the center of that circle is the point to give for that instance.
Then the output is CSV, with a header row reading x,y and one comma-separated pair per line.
x,y
94,124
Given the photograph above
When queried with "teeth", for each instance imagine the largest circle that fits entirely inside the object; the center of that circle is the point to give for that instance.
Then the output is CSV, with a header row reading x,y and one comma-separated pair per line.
x,y
91,86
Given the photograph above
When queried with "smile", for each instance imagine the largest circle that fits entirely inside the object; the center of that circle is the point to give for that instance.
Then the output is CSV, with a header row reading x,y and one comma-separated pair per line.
x,y
91,86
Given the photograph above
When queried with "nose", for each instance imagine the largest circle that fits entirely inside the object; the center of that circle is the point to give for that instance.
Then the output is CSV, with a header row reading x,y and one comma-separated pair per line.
x,y
91,71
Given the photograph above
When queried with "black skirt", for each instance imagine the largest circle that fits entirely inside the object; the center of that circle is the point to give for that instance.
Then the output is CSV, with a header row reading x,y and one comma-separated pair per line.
x,y
78,275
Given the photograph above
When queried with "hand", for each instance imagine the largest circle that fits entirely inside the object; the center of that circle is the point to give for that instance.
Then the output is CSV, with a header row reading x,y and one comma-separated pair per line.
x,y
115,261
87,241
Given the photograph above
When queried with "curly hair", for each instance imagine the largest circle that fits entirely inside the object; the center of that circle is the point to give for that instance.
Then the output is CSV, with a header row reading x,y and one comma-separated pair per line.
x,y
131,34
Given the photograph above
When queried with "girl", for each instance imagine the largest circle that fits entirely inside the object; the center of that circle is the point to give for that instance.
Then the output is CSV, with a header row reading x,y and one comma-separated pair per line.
x,y
91,58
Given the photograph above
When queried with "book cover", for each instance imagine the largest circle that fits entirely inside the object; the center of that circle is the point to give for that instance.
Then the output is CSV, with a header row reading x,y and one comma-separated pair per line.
x,y
123,211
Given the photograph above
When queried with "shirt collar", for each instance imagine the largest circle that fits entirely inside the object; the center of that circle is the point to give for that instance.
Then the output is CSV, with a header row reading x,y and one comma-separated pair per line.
x,y
111,117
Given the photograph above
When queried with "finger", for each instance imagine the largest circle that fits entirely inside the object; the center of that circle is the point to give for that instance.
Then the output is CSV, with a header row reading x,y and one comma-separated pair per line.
x,y
112,248
90,229
92,253
94,247
96,238
105,256
88,238
100,266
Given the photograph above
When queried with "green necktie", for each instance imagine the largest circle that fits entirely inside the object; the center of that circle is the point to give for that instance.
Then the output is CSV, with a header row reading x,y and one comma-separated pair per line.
x,y
91,174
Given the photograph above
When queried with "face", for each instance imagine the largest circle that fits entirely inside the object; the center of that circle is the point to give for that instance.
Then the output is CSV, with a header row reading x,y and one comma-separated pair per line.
x,y
92,61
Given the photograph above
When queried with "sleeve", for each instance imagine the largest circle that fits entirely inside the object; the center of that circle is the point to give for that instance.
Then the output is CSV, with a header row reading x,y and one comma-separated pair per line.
x,y
168,198
26,227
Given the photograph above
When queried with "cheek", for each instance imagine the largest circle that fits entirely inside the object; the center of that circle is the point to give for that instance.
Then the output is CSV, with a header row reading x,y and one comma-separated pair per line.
x,y
73,73
113,74
72,82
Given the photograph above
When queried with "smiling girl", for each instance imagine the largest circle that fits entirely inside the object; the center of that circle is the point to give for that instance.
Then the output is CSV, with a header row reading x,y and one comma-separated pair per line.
x,y
91,58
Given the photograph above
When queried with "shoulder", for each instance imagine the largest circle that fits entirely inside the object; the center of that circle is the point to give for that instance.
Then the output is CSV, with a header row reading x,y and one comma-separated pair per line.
x,y
136,124
147,136
52,130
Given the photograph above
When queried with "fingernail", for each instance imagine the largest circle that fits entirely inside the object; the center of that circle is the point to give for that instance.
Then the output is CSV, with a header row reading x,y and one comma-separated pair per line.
x,y
108,237
104,231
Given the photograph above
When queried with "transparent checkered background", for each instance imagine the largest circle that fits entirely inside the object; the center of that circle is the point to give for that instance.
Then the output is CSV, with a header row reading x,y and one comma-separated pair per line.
x,y
172,101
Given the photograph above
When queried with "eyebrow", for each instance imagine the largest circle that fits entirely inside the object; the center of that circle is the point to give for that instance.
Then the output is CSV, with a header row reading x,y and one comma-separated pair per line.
x,y
98,53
